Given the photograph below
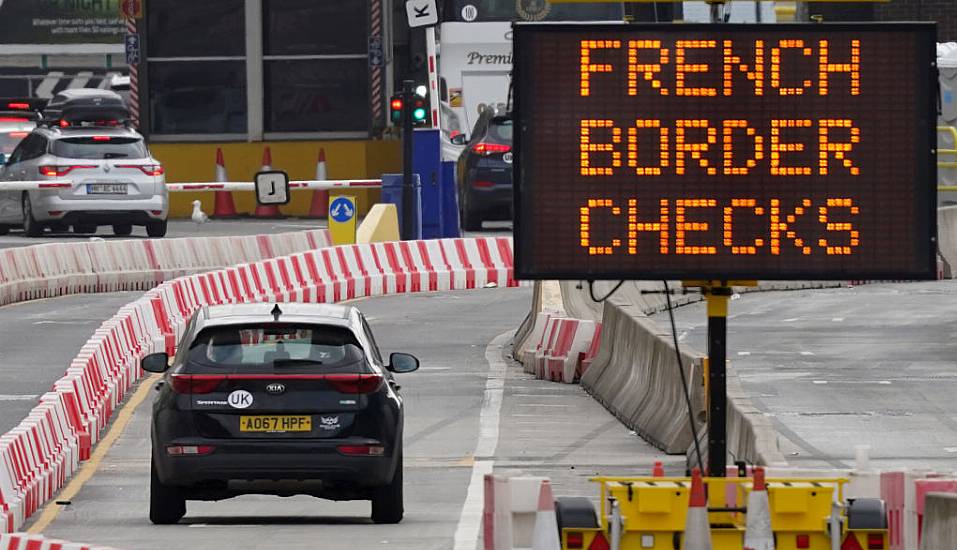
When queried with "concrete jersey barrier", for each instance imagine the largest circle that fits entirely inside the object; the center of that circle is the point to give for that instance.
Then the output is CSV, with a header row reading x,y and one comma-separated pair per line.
x,y
40,454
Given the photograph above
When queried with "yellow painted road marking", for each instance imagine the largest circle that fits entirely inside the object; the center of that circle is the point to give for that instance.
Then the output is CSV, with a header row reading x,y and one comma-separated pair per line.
x,y
88,470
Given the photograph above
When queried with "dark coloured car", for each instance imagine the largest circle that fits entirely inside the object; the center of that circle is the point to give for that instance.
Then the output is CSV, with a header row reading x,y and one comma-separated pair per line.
x,y
484,172
282,399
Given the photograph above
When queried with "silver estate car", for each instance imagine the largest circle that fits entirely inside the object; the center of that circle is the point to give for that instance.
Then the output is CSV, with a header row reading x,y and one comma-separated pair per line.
x,y
116,182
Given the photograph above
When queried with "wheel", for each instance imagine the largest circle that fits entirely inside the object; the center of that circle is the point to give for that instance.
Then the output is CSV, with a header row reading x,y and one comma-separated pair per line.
x,y
31,227
471,221
156,229
167,505
866,513
123,230
387,500
575,512
80,228
4,229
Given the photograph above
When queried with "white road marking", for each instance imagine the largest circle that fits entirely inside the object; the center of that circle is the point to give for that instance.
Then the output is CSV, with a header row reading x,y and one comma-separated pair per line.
x,y
470,520
807,353
820,381
13,397
744,353
791,320
434,368
541,405
64,322
950,449
838,319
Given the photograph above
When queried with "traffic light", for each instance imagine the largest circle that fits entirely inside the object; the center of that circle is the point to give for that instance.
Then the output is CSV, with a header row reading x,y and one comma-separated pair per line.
x,y
395,108
418,108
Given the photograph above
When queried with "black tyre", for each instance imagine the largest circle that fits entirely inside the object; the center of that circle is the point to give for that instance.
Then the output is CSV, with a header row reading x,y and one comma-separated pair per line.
x,y
866,513
31,227
84,229
4,229
471,220
157,229
123,230
167,505
575,512
387,504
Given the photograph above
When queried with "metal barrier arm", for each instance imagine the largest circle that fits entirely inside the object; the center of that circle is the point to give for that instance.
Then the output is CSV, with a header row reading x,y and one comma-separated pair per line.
x,y
35,185
296,185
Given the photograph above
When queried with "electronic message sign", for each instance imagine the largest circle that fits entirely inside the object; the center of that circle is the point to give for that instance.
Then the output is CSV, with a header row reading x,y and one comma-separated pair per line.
x,y
725,151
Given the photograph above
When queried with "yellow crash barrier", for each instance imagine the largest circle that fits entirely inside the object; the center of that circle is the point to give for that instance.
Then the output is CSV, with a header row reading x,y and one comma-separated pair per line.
x,y
651,512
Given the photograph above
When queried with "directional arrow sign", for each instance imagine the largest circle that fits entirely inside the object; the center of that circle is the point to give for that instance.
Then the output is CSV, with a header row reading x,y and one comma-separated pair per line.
x,y
422,13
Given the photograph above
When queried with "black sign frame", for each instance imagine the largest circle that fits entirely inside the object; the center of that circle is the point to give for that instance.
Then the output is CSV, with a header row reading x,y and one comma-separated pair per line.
x,y
924,155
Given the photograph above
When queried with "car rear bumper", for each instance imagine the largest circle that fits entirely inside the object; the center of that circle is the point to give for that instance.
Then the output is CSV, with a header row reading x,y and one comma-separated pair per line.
x,y
492,200
102,212
274,461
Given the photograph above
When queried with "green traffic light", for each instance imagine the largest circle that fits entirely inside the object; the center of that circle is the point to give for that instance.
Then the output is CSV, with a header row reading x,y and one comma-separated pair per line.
x,y
418,114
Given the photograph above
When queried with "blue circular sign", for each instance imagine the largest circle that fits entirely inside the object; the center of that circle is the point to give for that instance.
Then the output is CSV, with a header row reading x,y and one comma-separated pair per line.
x,y
342,210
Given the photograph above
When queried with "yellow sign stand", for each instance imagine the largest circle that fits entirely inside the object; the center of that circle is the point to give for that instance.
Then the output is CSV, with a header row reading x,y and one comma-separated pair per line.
x,y
342,220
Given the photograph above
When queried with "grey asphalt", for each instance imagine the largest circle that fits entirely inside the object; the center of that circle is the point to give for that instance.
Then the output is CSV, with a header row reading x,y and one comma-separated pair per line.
x,y
545,429
868,365
37,342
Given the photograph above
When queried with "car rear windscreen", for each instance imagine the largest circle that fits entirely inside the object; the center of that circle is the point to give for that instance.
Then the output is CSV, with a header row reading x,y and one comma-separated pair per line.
x,y
277,348
100,147
500,130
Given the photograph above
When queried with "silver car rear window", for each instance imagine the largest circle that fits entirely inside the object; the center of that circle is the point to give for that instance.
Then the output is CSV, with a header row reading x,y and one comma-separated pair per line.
x,y
100,147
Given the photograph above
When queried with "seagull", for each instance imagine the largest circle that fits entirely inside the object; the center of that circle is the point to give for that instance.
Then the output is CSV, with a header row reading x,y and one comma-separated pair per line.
x,y
97,239
199,216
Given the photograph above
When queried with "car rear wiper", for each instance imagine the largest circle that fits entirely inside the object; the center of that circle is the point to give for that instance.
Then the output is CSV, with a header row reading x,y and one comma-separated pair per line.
x,y
107,156
295,362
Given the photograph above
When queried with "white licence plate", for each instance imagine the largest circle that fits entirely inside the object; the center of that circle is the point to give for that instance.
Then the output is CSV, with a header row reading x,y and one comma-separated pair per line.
x,y
106,188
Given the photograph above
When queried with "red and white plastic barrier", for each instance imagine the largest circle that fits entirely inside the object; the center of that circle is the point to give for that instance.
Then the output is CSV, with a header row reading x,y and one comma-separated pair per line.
x,y
904,494
561,344
509,510
39,455
56,269
24,541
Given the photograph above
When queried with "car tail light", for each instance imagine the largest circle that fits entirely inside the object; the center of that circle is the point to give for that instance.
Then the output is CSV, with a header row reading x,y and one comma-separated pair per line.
x,y
354,383
156,212
599,543
55,212
483,148
58,171
102,138
148,169
186,383
483,184
18,134
802,541
361,450
875,541
18,106
13,119
574,539
64,123
189,450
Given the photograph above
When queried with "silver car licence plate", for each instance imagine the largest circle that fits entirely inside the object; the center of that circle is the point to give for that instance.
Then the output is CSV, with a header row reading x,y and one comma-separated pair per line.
x,y
106,188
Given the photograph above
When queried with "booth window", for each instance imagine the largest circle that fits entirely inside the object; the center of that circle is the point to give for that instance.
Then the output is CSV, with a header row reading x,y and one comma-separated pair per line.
x,y
198,97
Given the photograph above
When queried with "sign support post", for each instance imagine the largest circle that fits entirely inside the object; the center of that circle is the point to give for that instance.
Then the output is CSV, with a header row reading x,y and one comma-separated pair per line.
x,y
408,224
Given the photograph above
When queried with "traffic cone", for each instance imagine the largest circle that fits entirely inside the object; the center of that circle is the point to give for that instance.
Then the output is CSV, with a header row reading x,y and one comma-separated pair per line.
x,y
757,533
224,206
320,198
697,529
545,536
262,210
658,470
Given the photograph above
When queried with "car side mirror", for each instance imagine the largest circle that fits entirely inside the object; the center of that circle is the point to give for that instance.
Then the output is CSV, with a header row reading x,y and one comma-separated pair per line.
x,y
459,139
402,362
155,362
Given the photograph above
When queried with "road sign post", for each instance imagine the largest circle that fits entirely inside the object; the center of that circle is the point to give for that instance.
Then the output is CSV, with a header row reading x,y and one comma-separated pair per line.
x,y
408,224
342,220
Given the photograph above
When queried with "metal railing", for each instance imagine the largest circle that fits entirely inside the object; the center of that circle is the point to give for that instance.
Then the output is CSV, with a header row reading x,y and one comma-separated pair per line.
x,y
951,164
